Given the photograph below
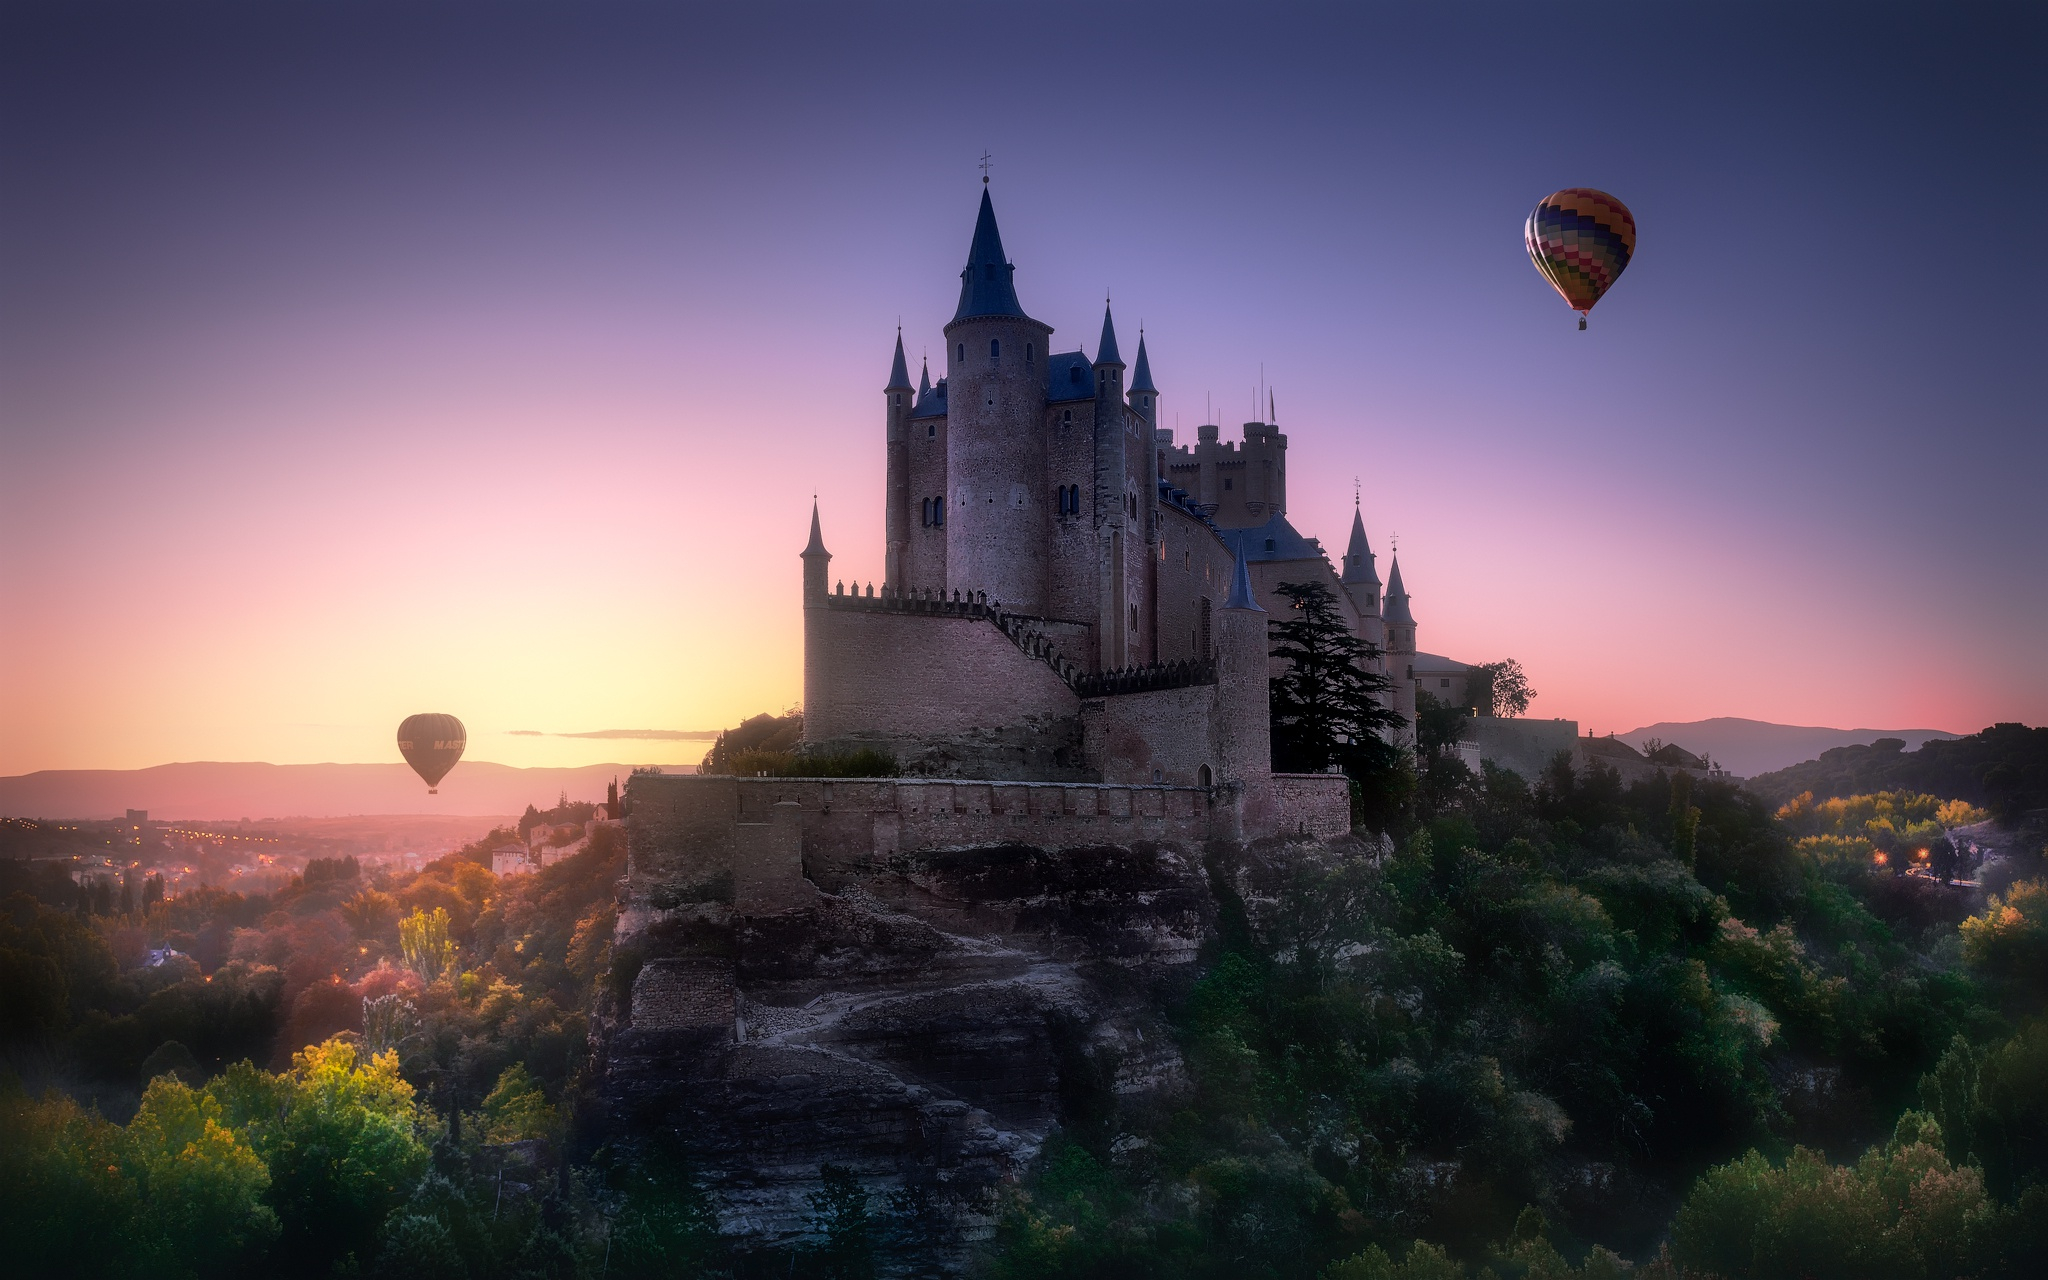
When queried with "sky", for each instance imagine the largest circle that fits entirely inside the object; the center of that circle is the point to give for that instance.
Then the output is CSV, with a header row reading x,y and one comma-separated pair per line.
x,y
363,359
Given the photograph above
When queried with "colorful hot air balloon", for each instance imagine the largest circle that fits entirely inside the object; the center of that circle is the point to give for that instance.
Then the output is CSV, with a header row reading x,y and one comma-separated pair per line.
x,y
1581,240
431,744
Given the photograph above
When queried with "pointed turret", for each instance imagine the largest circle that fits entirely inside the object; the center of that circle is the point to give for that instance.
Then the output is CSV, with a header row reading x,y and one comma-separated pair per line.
x,y
899,373
924,381
1106,352
817,560
1241,596
987,285
1397,597
1141,373
1359,564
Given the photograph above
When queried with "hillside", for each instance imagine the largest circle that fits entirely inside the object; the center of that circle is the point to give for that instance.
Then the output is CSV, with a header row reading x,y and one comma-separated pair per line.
x,y
1750,747
2004,768
219,791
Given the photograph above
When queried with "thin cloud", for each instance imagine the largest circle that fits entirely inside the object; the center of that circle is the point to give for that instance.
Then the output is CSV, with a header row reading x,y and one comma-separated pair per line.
x,y
650,735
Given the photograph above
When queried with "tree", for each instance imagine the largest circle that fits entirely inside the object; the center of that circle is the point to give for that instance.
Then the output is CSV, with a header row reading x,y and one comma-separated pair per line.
x,y
1326,706
423,941
840,1216
1497,688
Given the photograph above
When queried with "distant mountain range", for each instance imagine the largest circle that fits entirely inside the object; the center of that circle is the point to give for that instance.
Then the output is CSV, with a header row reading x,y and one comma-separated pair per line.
x,y
210,791
1750,747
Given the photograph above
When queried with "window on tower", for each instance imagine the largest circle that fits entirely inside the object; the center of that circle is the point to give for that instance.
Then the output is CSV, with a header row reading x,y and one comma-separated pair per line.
x,y
1030,353
931,430
995,348
960,352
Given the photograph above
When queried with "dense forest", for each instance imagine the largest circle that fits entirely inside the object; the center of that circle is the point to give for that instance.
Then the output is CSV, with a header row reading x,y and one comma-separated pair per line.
x,y
1573,1028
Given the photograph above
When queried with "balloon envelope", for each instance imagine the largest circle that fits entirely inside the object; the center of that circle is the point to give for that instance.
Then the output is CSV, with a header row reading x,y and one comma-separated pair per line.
x,y
1581,240
431,744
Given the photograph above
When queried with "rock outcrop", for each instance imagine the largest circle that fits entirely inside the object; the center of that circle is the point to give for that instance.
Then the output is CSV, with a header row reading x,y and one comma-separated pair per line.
x,y
923,1015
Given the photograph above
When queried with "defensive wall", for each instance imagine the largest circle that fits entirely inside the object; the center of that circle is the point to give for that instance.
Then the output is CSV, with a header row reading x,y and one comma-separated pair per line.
x,y
767,844
958,688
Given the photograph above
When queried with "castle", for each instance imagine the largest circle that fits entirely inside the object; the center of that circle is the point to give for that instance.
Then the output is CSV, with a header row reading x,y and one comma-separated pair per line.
x,y
1069,593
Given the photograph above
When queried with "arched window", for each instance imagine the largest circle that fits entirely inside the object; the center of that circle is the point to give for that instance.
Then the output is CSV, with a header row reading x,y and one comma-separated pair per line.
x,y
1134,619
939,512
1205,777
960,352
1030,349
931,430
995,348
1066,417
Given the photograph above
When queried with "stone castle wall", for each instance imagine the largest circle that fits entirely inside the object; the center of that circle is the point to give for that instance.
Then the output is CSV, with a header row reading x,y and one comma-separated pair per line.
x,y
904,680
771,842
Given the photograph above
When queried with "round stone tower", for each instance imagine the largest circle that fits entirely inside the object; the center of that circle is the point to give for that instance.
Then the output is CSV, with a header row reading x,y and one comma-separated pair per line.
x,y
998,511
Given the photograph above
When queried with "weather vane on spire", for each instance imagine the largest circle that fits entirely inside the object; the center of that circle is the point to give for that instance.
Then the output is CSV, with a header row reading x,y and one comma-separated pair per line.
x,y
1354,491
986,161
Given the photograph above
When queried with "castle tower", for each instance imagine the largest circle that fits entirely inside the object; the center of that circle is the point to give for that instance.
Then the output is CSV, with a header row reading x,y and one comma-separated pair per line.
x,y
1244,728
1144,396
1361,577
1116,511
817,562
998,516
1400,625
899,401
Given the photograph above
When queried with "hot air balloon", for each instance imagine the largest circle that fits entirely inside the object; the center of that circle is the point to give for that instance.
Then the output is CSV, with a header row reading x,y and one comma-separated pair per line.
x,y
1581,240
431,743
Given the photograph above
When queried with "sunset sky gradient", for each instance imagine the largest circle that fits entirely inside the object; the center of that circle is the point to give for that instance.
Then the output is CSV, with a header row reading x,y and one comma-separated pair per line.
x,y
364,359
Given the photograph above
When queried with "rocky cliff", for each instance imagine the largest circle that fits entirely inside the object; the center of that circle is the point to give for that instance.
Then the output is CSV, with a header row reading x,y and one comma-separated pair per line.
x,y
925,1014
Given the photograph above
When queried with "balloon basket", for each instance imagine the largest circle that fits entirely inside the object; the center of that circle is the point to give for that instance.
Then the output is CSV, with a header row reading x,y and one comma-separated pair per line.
x,y
1582,324
433,791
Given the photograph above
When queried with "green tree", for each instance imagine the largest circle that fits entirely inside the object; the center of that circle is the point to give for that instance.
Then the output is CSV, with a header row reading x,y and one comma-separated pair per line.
x,y
1326,707
1903,1211
516,1109
342,1137
202,1185
423,941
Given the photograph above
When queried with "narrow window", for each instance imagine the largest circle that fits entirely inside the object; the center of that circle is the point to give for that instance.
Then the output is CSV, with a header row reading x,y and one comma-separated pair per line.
x,y
1269,544
1227,484
1066,417
1134,619
1030,353
931,430
897,401
960,352
939,512
1207,778
995,349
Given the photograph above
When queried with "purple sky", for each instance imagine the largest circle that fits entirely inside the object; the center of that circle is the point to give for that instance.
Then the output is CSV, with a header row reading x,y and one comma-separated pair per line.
x,y
362,359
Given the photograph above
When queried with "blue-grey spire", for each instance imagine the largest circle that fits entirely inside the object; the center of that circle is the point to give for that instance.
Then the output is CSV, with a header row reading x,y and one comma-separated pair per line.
x,y
987,287
899,373
1241,596
1397,595
1358,557
817,543
1106,352
924,381
1141,375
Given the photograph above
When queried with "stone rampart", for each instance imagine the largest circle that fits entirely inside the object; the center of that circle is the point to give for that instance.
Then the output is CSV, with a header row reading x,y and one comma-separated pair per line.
x,y
766,842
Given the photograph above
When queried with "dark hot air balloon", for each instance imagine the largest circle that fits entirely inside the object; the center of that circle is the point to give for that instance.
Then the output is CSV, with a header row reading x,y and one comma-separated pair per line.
x,y
431,744
1581,240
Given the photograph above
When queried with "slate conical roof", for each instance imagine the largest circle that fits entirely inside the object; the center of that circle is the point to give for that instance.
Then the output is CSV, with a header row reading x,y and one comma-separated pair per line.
x,y
1106,352
1141,376
899,373
1241,596
987,286
1358,557
924,381
817,543
1397,595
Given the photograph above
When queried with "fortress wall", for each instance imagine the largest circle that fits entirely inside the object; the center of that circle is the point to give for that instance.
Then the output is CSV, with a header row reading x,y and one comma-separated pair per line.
x,y
1197,566
1312,804
881,676
1129,736
780,839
